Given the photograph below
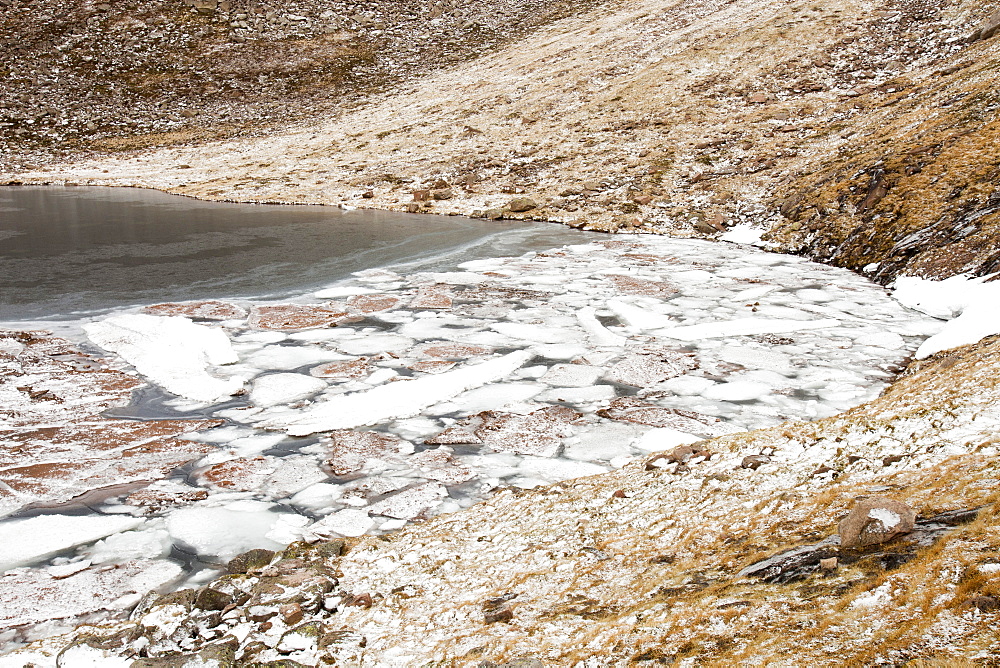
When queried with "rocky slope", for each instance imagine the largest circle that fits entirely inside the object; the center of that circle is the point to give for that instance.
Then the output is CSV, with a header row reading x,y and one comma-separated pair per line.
x,y
859,133
653,116
92,76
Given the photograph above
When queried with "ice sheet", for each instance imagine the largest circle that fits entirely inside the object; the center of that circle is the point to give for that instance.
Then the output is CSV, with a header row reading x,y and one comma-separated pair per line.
x,y
172,351
26,541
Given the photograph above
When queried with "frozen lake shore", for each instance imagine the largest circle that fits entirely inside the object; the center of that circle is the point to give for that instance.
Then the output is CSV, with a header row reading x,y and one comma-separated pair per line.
x,y
391,397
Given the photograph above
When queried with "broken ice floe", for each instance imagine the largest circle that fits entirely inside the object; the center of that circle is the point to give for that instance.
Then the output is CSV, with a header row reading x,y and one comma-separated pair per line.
x,y
415,395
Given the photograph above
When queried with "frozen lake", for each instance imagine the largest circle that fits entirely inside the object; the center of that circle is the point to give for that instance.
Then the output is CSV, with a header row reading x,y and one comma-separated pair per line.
x,y
387,394
66,251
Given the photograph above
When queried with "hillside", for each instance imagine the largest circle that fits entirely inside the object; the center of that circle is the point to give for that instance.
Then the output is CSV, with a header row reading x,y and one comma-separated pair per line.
x,y
861,134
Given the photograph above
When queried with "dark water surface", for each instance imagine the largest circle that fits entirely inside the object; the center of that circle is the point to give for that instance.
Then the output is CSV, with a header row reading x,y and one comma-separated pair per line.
x,y
72,250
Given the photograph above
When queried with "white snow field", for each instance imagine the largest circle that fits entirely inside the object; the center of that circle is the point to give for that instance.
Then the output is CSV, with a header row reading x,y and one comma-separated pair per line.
x,y
414,395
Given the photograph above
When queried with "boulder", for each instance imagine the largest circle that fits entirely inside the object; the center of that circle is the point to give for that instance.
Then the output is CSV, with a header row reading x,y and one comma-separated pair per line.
x,y
753,462
521,204
250,561
989,29
875,520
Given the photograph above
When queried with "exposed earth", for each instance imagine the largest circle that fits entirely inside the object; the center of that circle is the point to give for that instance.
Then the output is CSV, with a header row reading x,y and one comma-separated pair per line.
x,y
861,134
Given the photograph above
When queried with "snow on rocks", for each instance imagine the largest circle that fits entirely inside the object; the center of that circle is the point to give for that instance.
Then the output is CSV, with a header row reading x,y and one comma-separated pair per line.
x,y
874,521
172,351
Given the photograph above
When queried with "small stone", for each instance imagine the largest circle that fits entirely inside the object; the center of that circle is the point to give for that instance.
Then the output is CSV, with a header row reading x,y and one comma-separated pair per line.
x,y
368,194
990,28
681,454
828,564
982,603
498,609
444,193
874,521
259,614
502,615
330,548
357,600
521,204
704,227
292,613
421,195
212,599
412,207
184,598
754,462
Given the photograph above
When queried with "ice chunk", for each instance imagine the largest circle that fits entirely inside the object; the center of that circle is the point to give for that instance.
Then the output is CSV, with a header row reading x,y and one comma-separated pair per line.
x,y
743,327
373,344
744,233
346,522
572,375
554,470
491,397
395,400
33,539
148,544
536,333
291,357
288,528
318,496
411,502
687,385
578,395
739,390
640,318
599,334
602,442
172,351
757,358
887,340
559,351
283,388
663,438
223,532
